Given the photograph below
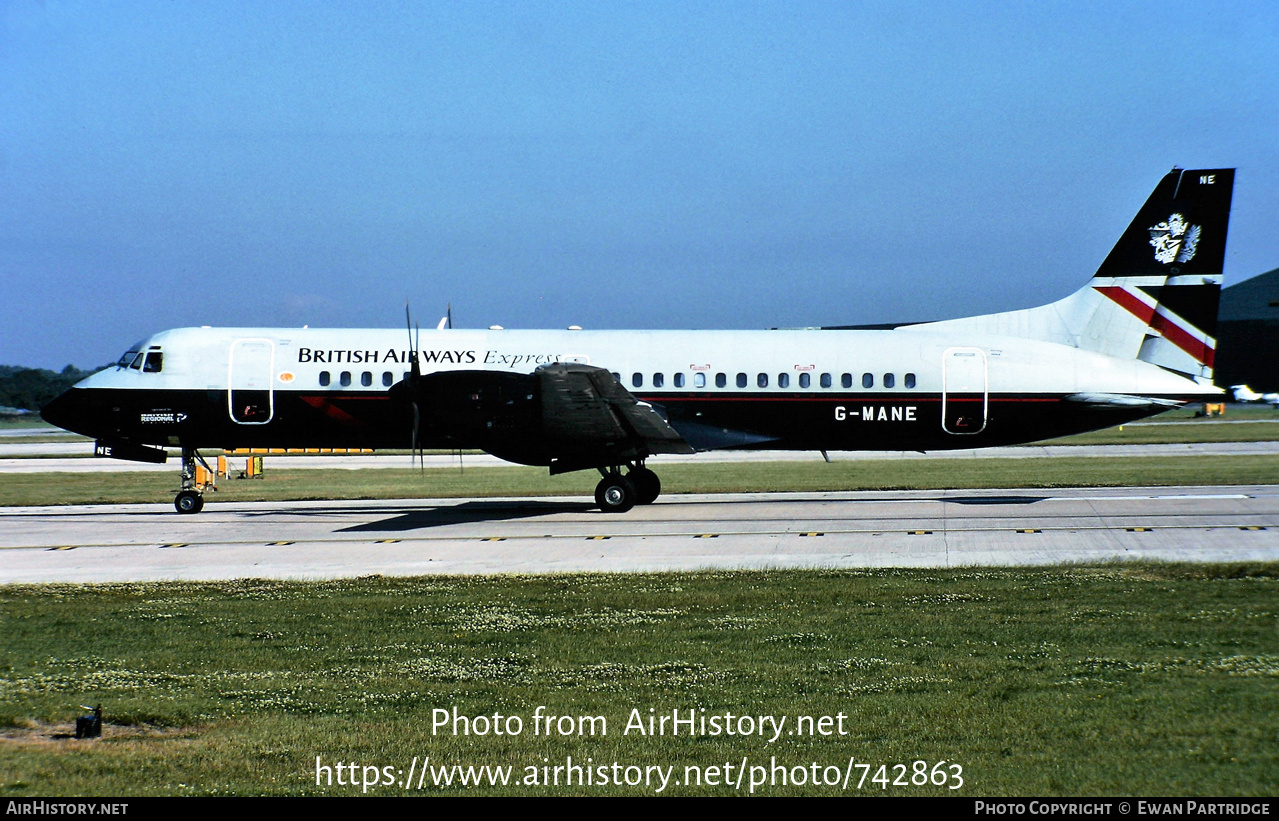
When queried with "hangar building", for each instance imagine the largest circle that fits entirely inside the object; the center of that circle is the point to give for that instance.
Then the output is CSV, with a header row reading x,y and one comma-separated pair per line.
x,y
1248,334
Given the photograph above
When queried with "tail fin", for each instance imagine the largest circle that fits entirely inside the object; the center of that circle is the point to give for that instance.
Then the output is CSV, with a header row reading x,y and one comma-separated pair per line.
x,y
1155,296
1166,269
1180,231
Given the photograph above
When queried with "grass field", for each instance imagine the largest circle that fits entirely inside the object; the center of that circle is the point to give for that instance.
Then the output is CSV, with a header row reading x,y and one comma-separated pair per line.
x,y
888,474
1120,680
1261,430
1234,412
23,421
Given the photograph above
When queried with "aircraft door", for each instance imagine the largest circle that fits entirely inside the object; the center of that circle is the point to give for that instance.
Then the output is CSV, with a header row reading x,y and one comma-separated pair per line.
x,y
964,396
250,398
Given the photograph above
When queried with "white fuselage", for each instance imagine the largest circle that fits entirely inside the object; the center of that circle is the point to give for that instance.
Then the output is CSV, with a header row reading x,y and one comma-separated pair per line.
x,y
808,389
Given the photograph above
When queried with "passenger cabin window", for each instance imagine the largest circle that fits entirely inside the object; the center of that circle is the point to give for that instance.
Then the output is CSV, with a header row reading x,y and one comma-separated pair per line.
x,y
679,380
325,378
889,380
826,383
721,380
618,377
366,379
637,380
783,380
846,380
868,380
387,379
741,380
154,362
699,380
659,380
345,379
910,380
805,380
762,380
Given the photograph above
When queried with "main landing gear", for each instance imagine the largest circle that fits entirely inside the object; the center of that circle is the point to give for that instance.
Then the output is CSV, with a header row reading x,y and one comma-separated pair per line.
x,y
190,498
618,493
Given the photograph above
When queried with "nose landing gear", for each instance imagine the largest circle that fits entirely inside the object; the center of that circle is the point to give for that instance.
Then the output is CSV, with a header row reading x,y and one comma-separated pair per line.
x,y
189,501
197,477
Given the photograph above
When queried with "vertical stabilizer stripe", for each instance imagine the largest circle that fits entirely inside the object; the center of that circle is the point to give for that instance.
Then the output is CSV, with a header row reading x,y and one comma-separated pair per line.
x,y
1202,351
1130,303
1178,336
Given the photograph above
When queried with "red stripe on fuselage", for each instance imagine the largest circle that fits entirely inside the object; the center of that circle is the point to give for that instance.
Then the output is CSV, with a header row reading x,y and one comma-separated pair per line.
x,y
330,410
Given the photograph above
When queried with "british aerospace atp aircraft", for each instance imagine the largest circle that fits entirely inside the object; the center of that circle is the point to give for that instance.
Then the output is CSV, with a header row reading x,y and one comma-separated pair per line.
x,y
1137,339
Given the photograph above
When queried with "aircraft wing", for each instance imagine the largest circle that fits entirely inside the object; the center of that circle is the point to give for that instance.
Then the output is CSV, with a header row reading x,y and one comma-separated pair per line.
x,y
567,416
585,402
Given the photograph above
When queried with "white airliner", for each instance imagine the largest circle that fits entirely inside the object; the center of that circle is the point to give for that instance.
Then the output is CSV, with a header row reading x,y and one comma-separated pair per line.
x,y
1137,339
1243,393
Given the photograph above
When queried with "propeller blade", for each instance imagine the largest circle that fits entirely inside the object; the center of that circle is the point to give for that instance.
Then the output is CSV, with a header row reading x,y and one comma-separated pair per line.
x,y
415,368
415,377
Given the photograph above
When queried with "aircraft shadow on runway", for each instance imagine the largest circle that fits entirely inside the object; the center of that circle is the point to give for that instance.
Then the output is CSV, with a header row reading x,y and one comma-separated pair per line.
x,y
465,513
476,512
480,511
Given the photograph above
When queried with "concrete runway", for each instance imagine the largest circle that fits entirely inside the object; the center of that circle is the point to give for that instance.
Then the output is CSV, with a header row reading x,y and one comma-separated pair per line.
x,y
317,540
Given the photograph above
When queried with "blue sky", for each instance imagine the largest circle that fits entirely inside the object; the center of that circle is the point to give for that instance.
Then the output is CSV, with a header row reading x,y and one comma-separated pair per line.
x,y
610,165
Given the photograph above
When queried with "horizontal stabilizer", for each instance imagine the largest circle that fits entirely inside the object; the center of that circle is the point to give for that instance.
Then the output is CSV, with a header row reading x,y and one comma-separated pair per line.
x,y
1120,400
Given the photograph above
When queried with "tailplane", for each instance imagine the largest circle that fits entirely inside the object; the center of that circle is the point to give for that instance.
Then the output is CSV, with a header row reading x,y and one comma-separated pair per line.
x,y
1155,296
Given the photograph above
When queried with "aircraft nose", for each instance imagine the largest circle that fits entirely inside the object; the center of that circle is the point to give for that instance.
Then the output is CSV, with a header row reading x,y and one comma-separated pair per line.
x,y
70,411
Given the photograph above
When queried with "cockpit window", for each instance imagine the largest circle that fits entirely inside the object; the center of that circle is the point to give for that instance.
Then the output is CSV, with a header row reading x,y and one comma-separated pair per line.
x,y
154,362
137,361
127,358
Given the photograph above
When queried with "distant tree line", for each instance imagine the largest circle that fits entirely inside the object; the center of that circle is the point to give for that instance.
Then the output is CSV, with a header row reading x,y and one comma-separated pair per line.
x,y
32,388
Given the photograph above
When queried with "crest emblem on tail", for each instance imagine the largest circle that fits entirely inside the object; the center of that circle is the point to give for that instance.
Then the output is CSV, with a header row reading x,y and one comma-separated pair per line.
x,y
1174,239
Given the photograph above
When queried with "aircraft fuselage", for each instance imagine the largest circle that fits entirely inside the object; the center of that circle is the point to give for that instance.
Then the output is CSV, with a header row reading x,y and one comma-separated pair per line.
x,y
801,390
